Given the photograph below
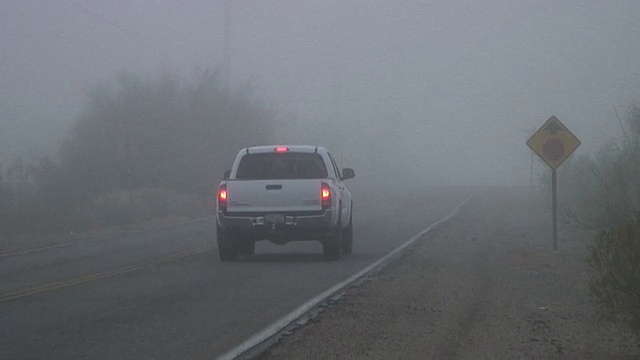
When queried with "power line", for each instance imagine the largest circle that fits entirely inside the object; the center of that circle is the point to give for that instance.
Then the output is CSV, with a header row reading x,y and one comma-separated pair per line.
x,y
111,22
485,96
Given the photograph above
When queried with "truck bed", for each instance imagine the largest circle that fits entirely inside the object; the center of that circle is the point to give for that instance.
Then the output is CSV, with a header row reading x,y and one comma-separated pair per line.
x,y
267,196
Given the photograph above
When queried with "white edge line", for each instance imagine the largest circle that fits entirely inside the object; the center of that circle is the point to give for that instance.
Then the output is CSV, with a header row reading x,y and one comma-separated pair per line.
x,y
288,319
100,238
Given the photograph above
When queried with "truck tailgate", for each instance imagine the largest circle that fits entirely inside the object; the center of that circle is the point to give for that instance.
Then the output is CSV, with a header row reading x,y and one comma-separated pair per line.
x,y
263,196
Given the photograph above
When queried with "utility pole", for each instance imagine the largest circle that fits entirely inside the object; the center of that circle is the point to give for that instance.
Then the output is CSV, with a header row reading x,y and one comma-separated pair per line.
x,y
227,41
336,86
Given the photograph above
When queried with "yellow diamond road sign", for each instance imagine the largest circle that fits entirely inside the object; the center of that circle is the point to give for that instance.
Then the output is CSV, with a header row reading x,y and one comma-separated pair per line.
x,y
553,142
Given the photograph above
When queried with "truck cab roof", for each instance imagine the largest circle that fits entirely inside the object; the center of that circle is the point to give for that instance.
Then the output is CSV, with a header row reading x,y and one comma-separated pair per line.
x,y
283,148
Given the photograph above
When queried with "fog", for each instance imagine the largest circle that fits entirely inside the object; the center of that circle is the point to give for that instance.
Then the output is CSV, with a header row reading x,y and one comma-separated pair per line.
x,y
438,91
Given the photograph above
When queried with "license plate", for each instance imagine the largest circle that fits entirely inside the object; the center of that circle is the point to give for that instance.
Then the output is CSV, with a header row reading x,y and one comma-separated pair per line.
x,y
274,219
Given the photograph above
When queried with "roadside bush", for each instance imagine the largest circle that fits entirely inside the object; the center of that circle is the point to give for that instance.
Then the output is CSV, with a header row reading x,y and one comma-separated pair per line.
x,y
602,194
601,191
121,208
616,258
37,197
115,208
168,139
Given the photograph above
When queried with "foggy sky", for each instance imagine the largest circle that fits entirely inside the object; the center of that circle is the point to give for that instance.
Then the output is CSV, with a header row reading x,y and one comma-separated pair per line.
x,y
457,86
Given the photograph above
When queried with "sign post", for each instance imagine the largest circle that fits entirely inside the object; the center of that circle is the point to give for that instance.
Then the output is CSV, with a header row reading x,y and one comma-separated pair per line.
x,y
553,143
554,194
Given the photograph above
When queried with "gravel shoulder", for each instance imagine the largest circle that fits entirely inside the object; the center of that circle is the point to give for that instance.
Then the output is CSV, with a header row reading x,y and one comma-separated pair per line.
x,y
484,285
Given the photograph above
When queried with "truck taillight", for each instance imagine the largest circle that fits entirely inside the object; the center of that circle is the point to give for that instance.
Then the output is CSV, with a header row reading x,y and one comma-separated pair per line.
x,y
325,194
222,197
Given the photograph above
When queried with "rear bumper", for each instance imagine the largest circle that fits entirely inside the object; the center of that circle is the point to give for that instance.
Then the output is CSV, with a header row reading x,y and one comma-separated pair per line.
x,y
281,228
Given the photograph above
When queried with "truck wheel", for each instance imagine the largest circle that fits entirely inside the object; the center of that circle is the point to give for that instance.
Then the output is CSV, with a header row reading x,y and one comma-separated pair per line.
x,y
247,247
227,247
347,239
332,246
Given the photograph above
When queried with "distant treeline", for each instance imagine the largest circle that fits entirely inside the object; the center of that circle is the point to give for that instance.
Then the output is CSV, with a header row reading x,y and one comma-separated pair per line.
x,y
140,149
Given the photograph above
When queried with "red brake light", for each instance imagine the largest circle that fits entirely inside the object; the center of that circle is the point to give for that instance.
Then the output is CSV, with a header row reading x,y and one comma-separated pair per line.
x,y
281,149
325,194
222,197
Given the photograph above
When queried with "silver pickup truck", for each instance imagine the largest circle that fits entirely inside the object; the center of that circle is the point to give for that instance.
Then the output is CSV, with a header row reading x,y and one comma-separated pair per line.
x,y
283,194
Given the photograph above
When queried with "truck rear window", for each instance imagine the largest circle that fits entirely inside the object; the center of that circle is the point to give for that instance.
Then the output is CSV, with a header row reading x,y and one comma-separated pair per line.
x,y
288,165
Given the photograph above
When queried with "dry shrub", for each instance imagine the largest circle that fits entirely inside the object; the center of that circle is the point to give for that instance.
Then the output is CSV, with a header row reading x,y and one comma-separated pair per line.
x,y
615,257
122,207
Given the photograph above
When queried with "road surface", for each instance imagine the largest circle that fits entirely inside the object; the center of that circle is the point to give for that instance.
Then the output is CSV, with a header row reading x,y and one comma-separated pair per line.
x,y
163,294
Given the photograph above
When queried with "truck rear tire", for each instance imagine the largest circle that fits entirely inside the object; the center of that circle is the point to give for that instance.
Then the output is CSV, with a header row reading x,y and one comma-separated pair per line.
x,y
227,247
247,247
227,253
347,239
332,246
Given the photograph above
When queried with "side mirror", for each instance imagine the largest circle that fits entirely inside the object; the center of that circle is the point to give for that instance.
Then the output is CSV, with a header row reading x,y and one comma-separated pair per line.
x,y
348,173
227,174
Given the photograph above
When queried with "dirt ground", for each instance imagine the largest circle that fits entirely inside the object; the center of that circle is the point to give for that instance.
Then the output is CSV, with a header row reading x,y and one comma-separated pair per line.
x,y
485,285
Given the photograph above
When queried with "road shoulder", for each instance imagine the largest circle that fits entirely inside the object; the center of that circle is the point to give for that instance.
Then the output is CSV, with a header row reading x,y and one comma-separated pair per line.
x,y
485,285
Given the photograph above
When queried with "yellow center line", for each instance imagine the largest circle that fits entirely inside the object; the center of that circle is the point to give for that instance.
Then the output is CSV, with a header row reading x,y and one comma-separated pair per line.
x,y
93,277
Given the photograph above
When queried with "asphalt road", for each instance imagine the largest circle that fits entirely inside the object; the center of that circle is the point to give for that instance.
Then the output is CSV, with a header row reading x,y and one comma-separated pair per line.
x,y
163,294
